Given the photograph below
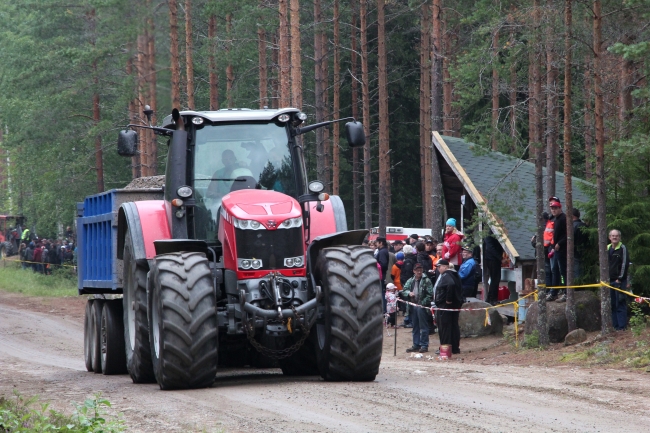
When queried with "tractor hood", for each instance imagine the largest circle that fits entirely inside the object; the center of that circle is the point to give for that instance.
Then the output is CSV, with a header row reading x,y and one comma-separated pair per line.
x,y
270,208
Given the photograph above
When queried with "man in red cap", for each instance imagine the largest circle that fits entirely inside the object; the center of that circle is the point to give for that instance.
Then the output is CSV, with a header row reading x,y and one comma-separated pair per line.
x,y
557,251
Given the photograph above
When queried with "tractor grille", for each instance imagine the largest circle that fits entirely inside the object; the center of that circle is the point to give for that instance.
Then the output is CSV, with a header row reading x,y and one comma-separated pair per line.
x,y
270,246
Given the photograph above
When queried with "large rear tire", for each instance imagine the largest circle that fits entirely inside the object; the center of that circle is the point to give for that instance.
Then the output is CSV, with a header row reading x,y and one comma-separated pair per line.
x,y
136,330
96,344
88,336
183,321
350,335
112,339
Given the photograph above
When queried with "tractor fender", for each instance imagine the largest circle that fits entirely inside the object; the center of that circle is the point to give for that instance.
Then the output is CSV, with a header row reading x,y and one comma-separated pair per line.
x,y
331,220
352,237
147,222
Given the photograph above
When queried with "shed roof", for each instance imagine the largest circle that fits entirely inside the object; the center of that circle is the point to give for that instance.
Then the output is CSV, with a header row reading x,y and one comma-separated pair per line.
x,y
504,183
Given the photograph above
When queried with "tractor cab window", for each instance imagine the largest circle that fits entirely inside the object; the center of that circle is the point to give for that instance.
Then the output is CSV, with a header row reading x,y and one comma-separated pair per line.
x,y
230,157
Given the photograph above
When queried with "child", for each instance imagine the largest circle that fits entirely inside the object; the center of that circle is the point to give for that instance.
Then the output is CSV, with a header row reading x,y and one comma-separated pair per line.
x,y
391,304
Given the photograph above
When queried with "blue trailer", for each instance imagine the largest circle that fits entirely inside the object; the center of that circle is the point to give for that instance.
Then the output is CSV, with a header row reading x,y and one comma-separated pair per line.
x,y
100,273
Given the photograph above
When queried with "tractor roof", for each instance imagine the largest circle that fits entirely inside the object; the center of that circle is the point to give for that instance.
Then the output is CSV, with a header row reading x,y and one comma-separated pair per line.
x,y
233,115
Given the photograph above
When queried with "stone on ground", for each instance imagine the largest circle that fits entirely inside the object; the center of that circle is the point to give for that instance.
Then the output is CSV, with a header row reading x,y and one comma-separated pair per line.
x,y
575,337
472,323
587,316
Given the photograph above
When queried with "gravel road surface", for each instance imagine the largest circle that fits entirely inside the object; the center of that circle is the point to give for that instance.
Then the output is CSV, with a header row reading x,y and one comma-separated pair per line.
x,y
41,353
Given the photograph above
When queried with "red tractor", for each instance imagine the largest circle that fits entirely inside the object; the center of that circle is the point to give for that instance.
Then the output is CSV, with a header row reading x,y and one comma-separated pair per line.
x,y
242,263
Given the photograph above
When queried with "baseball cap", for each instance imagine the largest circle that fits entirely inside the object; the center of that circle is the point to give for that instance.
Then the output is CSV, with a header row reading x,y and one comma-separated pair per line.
x,y
414,236
429,241
553,198
442,262
417,266
556,204
399,256
391,286
466,248
398,242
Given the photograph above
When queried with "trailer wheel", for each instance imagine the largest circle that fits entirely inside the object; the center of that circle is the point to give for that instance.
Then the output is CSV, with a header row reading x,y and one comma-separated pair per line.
x,y
112,339
183,321
96,323
88,336
350,335
136,330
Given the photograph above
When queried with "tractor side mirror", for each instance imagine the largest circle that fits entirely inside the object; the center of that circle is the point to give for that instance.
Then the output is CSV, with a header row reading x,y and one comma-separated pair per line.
x,y
354,133
127,143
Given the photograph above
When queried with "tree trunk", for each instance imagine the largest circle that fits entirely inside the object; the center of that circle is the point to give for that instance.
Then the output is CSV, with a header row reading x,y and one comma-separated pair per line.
x,y
142,97
189,63
336,101
263,70
384,147
551,105
425,114
365,96
355,113
230,74
99,154
275,80
321,158
436,67
326,110
448,119
285,72
542,322
174,56
568,182
495,89
135,159
152,99
512,92
605,305
214,78
296,59
588,119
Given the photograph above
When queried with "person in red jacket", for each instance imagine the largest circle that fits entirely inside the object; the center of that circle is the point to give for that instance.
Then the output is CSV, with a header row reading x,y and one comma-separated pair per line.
x,y
451,249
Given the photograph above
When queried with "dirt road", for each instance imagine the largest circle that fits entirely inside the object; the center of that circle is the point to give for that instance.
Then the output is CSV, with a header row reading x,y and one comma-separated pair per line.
x,y
41,348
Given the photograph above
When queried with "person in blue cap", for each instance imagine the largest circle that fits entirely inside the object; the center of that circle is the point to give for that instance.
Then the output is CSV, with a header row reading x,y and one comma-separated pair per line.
x,y
451,249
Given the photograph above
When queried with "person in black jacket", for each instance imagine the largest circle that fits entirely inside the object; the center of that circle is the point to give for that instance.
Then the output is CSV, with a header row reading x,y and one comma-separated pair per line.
x,y
619,263
448,294
383,258
423,258
492,254
557,252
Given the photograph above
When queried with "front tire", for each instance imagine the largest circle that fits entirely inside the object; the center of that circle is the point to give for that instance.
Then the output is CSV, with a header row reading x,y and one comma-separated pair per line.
x,y
113,355
183,321
350,335
136,330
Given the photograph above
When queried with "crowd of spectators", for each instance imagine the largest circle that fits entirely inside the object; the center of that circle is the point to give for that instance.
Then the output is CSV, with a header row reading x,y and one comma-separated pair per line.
x,y
45,255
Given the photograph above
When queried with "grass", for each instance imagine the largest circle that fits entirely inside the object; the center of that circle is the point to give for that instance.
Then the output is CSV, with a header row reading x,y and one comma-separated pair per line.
x,y
27,415
17,280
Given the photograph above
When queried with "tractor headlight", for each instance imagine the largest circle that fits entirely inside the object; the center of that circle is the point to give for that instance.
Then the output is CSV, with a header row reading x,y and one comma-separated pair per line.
x,y
244,263
184,191
256,264
291,223
316,186
291,262
247,224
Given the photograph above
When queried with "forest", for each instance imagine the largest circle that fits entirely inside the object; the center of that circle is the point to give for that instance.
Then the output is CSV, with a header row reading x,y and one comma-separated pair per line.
x,y
560,81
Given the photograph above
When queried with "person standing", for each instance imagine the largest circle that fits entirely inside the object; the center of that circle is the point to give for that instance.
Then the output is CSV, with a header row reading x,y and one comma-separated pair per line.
x,y
451,250
558,252
448,295
419,290
407,273
383,259
492,254
466,273
619,264
423,258
396,271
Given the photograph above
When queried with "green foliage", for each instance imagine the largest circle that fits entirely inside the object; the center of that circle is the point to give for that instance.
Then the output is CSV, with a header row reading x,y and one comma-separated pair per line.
x,y
637,319
62,282
531,341
18,414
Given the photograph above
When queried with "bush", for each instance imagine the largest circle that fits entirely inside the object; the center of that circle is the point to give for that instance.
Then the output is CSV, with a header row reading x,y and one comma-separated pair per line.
x,y
18,415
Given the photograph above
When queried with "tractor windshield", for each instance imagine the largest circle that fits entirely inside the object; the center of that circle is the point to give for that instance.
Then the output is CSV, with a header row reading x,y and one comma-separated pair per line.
x,y
229,157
